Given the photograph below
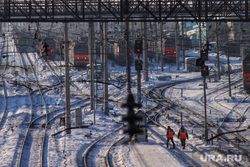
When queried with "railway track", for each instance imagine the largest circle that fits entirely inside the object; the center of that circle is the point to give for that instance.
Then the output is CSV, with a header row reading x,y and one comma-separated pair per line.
x,y
172,105
112,162
95,154
4,64
159,110
37,133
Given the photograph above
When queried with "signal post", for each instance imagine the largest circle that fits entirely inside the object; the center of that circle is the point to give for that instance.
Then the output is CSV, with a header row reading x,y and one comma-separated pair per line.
x,y
138,67
204,72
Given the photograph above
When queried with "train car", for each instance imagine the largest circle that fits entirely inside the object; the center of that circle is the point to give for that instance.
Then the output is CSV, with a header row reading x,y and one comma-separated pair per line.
x,y
151,52
246,74
169,49
48,49
120,53
79,54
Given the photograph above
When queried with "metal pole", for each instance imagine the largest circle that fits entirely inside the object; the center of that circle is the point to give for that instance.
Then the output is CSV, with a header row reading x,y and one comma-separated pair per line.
x,y
217,50
200,41
156,47
145,57
229,79
205,107
138,82
177,46
127,57
101,44
67,86
91,63
182,48
105,79
162,55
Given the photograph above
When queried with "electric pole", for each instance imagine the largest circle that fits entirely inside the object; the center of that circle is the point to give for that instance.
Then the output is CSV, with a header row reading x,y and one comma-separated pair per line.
x,y
127,57
177,46
138,67
91,63
105,65
144,51
217,51
205,106
67,86
156,47
228,70
182,43
161,54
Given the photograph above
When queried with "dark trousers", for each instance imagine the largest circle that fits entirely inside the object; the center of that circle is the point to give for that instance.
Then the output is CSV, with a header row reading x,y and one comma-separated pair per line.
x,y
172,140
183,142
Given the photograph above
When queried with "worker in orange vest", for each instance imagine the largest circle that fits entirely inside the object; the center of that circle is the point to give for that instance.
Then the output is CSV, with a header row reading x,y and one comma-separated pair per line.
x,y
170,135
183,135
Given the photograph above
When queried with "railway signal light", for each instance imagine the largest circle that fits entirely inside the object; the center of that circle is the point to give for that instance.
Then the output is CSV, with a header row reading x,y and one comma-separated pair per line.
x,y
131,118
138,46
204,71
62,121
203,57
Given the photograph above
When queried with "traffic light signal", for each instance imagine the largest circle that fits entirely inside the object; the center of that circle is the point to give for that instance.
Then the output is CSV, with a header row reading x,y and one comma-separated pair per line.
x,y
204,71
62,121
138,46
131,118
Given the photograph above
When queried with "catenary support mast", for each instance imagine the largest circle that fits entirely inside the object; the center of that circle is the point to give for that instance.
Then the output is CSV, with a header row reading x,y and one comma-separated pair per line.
x,y
67,86
105,65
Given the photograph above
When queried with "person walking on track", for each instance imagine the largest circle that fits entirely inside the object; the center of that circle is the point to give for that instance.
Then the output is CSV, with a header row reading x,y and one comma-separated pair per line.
x,y
170,135
183,135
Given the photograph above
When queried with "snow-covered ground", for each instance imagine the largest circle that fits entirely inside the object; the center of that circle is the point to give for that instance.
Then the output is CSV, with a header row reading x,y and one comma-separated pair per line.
x,y
67,149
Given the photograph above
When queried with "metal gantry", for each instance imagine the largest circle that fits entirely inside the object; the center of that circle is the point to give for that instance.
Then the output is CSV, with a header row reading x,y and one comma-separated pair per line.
x,y
122,10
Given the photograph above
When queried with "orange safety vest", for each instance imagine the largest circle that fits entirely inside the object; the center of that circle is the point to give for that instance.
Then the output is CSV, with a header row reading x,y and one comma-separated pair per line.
x,y
170,134
183,134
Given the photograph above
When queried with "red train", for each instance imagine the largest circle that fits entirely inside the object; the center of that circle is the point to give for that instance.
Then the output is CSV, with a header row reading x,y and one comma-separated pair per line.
x,y
79,54
246,73
169,49
50,52
120,53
